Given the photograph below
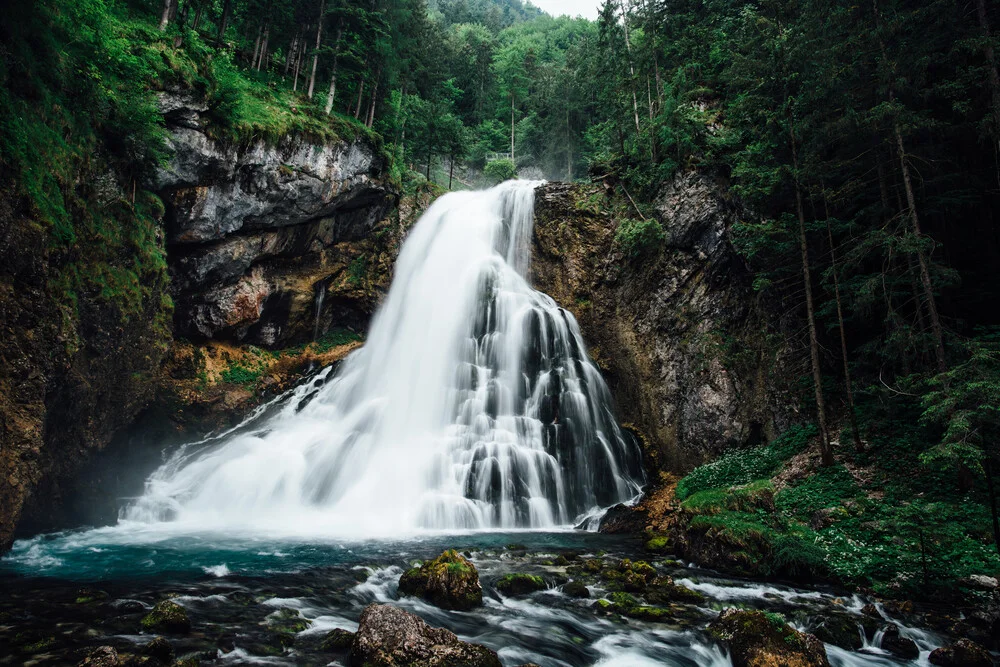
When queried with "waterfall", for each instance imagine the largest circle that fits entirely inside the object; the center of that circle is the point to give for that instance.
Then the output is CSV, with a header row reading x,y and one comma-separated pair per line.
x,y
473,405
318,306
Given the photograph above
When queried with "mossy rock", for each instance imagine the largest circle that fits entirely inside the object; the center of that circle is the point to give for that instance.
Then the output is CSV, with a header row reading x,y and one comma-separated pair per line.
x,y
593,566
159,651
337,640
841,630
519,584
450,581
287,621
759,639
576,589
88,595
167,616
663,590
658,544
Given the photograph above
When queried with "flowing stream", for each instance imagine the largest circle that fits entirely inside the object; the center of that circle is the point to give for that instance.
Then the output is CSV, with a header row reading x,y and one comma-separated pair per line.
x,y
472,418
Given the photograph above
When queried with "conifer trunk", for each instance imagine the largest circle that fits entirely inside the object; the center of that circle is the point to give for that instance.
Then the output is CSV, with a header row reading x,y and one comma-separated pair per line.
x,y
631,69
319,40
925,275
848,384
292,50
168,10
227,10
332,93
361,93
826,454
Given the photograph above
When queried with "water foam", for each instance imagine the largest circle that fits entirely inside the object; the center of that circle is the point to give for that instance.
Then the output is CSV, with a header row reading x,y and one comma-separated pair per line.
x,y
473,405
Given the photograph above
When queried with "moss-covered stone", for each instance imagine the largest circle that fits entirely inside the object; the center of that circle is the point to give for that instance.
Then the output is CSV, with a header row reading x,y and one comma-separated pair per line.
x,y
450,581
576,589
337,640
287,621
759,639
963,652
167,616
519,584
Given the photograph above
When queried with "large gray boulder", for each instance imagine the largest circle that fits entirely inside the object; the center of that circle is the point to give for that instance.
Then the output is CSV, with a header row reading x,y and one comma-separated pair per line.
x,y
390,637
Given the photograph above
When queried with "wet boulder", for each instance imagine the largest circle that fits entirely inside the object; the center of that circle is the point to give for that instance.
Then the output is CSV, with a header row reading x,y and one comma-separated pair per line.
x,y
167,616
576,589
519,584
390,637
840,629
758,639
623,519
963,652
897,644
337,640
450,581
159,651
102,656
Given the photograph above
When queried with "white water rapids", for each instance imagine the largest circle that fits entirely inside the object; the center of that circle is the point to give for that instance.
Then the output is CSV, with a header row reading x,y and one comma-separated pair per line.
x,y
473,405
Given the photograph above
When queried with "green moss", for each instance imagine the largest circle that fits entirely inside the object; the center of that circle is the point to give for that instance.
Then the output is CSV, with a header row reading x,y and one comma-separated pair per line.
x,y
658,544
519,584
167,616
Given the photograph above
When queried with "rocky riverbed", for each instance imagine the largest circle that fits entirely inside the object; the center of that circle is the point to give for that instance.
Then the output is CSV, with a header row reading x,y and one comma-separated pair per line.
x,y
553,599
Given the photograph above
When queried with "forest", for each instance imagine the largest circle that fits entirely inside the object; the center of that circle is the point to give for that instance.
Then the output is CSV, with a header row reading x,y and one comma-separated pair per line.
x,y
859,143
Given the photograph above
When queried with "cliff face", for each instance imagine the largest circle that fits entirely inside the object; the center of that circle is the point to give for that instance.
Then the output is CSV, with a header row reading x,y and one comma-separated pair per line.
x,y
263,244
679,333
257,234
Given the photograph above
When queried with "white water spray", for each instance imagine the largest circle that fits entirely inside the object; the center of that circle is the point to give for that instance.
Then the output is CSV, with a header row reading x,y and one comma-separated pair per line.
x,y
472,405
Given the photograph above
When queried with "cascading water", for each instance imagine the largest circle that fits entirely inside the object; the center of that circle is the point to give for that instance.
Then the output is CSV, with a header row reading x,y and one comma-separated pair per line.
x,y
472,405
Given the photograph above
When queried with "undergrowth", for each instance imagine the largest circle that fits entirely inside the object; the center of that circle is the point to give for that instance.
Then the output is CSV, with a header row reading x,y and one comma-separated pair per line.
x,y
899,529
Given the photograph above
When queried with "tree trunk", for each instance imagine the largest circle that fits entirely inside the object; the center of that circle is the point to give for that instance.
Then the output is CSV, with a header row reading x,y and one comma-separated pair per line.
x,y
430,156
859,446
298,64
197,16
826,454
361,94
319,38
227,10
451,171
631,69
168,10
332,93
512,127
293,50
256,45
371,107
262,58
569,144
925,275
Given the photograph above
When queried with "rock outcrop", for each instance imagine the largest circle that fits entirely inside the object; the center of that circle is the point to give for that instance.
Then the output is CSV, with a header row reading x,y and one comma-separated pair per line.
x,y
390,637
963,652
450,581
265,243
678,332
757,639
258,234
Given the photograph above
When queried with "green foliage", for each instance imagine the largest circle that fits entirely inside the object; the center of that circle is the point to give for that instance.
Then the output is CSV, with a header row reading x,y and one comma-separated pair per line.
x,y
499,171
335,338
744,466
636,237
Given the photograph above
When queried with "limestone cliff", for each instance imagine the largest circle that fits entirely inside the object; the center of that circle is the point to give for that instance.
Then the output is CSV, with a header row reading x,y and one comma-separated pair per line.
x,y
257,234
263,243
679,334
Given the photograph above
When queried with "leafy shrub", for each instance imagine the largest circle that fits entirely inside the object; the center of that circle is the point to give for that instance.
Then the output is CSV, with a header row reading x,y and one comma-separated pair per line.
x,y
499,171
636,237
